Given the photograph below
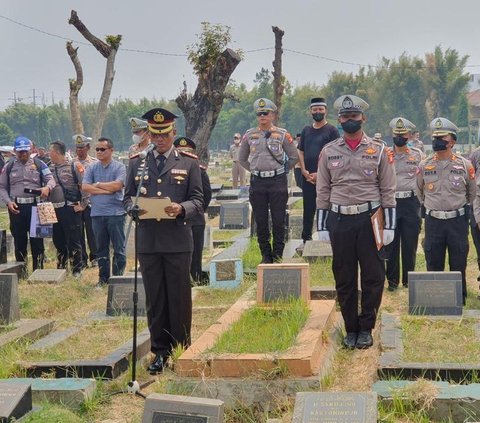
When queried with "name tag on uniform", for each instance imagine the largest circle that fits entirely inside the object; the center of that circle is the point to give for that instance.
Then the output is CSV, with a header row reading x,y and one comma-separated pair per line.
x,y
179,172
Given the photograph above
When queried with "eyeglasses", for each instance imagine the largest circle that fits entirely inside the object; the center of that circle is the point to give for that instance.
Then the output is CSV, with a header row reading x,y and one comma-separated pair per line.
x,y
263,113
102,149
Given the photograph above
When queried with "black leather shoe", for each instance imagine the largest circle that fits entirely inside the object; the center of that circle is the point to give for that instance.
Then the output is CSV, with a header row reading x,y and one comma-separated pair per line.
x,y
158,365
364,340
392,286
350,340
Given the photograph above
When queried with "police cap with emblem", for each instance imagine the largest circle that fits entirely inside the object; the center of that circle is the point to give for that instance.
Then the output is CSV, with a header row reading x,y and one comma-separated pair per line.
x,y
318,101
350,104
22,144
441,127
401,126
264,105
184,142
160,121
81,140
137,124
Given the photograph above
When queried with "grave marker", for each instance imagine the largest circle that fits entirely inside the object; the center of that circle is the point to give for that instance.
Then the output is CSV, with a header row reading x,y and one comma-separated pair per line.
x,y
234,216
208,238
9,302
279,282
335,407
228,194
226,273
164,408
314,250
48,276
120,296
3,246
295,226
15,401
435,293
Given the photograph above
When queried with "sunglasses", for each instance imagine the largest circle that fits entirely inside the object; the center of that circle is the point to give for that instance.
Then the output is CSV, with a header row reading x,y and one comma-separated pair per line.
x,y
102,149
263,113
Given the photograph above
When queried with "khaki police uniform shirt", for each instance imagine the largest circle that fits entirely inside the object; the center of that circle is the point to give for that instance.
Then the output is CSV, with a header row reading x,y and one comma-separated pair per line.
x,y
406,168
347,177
234,150
475,158
261,154
64,172
23,176
85,163
446,185
417,144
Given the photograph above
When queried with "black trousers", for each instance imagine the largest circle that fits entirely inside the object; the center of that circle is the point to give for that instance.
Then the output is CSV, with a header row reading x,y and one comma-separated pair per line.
x,y
407,230
198,232
353,243
88,231
20,227
67,234
451,234
297,173
309,208
168,298
270,195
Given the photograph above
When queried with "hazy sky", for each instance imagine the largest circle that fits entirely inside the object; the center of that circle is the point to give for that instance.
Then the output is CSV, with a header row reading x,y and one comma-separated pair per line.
x,y
353,31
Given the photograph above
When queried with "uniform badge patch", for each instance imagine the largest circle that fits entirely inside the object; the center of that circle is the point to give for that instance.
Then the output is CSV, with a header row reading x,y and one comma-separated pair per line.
x,y
430,167
471,172
430,187
370,151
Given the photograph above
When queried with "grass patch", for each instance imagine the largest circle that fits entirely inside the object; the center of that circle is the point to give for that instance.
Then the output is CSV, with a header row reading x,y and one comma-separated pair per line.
x,y
298,205
215,296
321,273
225,234
261,330
440,341
252,257
91,342
53,414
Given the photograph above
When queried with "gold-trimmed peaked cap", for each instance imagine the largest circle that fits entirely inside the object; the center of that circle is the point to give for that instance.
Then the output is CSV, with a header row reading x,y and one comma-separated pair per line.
x,y
441,126
184,142
137,124
160,121
81,140
401,126
350,103
264,105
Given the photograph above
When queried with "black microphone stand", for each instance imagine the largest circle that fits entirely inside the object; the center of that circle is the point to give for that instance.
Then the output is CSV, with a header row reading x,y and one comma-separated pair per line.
x,y
133,387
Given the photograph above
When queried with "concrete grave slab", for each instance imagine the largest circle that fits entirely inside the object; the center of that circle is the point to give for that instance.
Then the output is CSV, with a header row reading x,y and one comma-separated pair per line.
x,y
12,267
316,250
228,194
9,302
335,407
53,276
165,408
120,296
27,329
295,226
15,401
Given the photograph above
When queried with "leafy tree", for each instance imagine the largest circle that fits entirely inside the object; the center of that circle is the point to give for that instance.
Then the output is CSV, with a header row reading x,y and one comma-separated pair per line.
x,y
6,135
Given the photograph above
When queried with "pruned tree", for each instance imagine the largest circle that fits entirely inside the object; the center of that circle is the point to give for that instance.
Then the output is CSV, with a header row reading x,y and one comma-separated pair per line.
x,y
75,87
213,64
278,86
107,49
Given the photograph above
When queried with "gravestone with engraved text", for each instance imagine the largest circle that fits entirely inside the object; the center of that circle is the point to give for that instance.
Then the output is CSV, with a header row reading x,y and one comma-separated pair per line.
x,y
48,276
15,401
234,216
315,250
9,302
120,296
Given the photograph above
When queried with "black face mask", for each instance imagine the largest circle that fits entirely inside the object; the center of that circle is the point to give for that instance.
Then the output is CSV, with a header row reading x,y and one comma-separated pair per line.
x,y
318,117
352,126
439,145
400,141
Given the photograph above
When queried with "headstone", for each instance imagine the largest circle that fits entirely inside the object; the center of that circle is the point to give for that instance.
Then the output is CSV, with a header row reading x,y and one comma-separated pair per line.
x,y
10,245
228,194
335,407
314,250
208,238
213,209
13,267
226,273
164,408
435,293
234,216
295,226
15,401
280,282
48,276
120,296
216,187
3,246
9,302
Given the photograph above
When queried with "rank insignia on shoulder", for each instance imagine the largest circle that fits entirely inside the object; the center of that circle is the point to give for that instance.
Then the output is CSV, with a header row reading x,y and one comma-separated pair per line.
x,y
134,155
389,156
188,154
471,172
179,172
430,167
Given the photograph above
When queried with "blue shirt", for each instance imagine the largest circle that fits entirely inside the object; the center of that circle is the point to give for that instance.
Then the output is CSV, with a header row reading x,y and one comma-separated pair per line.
x,y
106,204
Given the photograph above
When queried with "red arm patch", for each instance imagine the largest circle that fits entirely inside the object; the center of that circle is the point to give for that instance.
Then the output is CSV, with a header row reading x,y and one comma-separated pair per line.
x,y
471,172
289,137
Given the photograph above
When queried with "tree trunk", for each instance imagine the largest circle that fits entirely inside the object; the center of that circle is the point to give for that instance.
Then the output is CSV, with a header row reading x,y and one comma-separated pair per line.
x,y
75,86
202,109
108,50
277,71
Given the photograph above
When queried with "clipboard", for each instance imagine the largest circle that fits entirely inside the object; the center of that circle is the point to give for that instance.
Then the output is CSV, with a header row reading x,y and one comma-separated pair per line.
x,y
154,208
378,223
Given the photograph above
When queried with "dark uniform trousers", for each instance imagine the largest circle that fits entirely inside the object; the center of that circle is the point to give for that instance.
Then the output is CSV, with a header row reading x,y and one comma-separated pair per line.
x,y
353,243
409,223
167,281
198,232
270,194
441,234
297,172
87,230
19,227
67,238
309,208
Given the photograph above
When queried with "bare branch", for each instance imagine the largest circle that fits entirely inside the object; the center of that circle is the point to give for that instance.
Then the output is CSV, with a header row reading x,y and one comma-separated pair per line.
x,y
102,47
75,86
277,70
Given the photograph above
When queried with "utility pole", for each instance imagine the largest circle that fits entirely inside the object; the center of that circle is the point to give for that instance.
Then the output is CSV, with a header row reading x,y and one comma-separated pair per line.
x,y
34,102
53,98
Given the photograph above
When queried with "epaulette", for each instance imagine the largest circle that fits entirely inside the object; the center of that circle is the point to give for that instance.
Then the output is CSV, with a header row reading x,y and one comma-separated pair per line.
x,y
135,155
203,167
188,154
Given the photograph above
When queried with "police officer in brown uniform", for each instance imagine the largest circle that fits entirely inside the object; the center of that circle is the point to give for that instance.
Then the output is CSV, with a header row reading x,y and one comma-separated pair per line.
x,y
140,136
355,177
446,184
407,160
475,230
18,175
268,152
165,247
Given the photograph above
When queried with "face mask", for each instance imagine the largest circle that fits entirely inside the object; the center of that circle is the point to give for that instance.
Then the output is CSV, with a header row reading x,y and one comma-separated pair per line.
x,y
137,139
439,145
352,126
318,117
400,141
